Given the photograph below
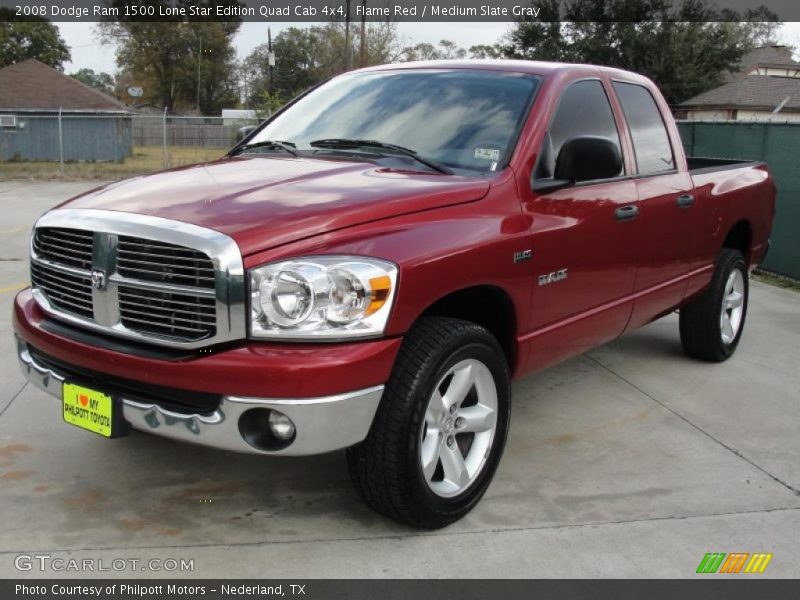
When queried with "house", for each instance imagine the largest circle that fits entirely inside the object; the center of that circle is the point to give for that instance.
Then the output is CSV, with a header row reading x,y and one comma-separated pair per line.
x,y
46,115
766,88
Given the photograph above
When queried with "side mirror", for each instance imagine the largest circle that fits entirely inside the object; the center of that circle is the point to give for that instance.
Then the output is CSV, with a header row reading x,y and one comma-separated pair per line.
x,y
243,132
586,158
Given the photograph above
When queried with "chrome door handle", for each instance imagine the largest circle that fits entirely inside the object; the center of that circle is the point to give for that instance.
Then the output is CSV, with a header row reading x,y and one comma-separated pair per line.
x,y
627,213
685,200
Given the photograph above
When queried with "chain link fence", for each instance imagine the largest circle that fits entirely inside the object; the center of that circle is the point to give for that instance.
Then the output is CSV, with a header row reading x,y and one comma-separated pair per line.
x,y
68,137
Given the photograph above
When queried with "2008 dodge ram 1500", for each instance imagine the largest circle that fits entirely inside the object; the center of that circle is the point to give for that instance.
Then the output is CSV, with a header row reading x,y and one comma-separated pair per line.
x,y
370,268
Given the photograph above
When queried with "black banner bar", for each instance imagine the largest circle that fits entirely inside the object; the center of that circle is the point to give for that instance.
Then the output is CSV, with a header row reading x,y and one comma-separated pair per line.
x,y
381,10
736,588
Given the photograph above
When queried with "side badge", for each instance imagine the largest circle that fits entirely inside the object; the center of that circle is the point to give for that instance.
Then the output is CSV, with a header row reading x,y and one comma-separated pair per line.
x,y
549,278
522,256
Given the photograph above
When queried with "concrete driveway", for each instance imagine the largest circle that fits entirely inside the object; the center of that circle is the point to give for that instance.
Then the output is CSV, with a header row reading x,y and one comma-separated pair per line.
x,y
629,461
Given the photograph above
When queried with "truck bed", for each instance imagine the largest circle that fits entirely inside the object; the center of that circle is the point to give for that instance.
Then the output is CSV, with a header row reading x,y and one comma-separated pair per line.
x,y
701,164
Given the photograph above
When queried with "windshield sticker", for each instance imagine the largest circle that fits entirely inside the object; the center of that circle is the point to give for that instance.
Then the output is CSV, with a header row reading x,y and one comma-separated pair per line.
x,y
487,153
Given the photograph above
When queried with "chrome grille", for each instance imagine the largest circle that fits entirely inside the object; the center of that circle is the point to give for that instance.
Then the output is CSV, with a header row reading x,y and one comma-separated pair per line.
x,y
146,278
166,263
177,315
72,247
66,291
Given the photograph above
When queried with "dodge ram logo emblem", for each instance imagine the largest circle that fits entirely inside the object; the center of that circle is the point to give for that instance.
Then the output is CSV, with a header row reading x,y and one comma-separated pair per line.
x,y
98,279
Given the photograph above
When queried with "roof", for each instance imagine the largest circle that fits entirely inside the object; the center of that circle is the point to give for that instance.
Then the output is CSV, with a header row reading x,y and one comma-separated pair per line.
x,y
32,85
750,92
773,55
534,67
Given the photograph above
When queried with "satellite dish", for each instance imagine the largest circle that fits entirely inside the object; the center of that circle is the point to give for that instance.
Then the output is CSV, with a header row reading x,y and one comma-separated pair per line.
x,y
135,91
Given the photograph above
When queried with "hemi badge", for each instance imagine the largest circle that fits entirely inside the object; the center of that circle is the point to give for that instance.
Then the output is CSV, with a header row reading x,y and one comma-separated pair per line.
x,y
522,256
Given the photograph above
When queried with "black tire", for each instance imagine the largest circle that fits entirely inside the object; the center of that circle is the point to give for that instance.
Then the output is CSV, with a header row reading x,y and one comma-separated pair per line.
x,y
701,330
385,467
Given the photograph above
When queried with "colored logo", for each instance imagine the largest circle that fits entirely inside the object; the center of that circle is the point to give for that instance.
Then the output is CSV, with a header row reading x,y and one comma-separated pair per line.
x,y
735,562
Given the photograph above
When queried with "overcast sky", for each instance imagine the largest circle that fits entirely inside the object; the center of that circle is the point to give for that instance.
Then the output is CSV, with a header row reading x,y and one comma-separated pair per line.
x,y
87,52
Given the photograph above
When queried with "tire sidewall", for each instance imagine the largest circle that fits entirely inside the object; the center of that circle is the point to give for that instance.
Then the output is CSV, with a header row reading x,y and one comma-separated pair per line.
x,y
735,262
460,348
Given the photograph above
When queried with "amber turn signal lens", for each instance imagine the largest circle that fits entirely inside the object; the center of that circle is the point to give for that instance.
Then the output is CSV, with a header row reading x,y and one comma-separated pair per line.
x,y
381,286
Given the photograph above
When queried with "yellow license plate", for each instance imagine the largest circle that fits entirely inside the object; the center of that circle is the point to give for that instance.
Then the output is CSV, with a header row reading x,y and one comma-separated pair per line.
x,y
88,409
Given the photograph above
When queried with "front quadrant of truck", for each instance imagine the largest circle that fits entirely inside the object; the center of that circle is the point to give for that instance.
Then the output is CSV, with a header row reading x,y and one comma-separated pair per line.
x,y
370,268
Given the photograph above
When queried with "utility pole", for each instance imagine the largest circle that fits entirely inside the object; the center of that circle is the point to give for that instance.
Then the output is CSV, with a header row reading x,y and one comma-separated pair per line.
x,y
270,58
362,58
347,38
199,60
245,95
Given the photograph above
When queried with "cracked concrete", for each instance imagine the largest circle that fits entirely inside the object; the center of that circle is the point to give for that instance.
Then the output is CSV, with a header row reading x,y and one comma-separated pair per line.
x,y
629,461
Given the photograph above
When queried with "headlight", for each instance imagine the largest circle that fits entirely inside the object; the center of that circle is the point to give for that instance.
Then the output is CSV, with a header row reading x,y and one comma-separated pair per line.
x,y
321,297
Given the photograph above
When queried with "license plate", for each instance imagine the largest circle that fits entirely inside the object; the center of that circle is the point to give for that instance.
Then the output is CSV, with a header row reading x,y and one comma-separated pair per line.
x,y
88,409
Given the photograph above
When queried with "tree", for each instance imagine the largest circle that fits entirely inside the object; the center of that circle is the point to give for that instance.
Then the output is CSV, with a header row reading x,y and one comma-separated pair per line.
x,y
100,81
483,51
298,65
34,39
444,50
172,59
308,56
541,38
686,50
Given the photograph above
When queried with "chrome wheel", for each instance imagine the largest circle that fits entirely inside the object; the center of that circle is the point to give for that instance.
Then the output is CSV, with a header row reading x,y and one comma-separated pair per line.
x,y
730,318
459,428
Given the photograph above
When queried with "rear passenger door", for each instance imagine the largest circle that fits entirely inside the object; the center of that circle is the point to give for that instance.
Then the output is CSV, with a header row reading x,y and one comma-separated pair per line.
x,y
666,207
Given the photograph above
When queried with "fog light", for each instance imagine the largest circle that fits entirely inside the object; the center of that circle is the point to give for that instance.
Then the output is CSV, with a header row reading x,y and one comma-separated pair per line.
x,y
281,425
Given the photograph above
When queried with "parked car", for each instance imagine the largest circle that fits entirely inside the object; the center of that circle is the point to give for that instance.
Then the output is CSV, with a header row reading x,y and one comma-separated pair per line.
x,y
372,266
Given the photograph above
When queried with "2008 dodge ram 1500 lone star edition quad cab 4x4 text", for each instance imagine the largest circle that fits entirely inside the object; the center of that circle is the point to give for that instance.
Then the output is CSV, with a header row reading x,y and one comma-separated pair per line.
x,y
370,267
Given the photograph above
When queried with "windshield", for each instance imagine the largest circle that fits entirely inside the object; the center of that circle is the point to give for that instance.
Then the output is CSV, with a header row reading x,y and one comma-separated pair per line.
x,y
462,119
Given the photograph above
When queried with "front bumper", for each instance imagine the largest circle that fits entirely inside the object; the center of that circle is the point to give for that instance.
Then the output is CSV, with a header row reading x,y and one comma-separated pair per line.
x,y
331,392
323,424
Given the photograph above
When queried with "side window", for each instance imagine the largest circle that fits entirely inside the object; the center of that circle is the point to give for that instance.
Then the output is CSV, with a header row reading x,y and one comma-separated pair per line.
x,y
650,139
584,109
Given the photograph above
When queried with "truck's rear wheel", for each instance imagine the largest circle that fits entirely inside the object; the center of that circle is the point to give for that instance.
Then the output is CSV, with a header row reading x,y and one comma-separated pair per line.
x,y
440,429
712,324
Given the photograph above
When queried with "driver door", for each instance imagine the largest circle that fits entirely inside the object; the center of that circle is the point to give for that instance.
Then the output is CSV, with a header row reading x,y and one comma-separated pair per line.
x,y
583,239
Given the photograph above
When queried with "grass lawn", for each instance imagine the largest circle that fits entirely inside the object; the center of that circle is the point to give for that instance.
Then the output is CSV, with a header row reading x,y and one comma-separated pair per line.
x,y
777,280
144,160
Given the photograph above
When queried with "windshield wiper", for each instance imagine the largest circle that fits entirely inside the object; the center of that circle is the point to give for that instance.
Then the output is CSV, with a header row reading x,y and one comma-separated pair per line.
x,y
348,143
287,146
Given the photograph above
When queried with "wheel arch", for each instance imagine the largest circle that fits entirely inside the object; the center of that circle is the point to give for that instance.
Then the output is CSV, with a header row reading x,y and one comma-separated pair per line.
x,y
740,237
489,306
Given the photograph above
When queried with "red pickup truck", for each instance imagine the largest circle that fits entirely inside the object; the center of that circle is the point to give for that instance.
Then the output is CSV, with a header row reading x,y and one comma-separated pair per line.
x,y
370,268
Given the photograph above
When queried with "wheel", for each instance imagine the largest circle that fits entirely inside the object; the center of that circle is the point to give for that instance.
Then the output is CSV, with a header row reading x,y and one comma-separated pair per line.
x,y
712,324
440,429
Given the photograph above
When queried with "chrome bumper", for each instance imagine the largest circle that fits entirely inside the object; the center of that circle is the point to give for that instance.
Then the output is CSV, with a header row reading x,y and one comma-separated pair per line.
x,y
322,424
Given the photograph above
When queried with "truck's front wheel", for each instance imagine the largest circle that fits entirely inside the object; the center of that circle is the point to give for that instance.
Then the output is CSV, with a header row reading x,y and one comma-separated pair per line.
x,y
440,429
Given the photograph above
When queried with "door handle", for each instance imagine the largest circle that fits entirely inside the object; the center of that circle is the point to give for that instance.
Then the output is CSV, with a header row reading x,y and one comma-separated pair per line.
x,y
627,213
685,200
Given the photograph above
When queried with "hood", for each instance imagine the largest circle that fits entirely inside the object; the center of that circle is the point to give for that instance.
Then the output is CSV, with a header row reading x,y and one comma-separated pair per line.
x,y
263,202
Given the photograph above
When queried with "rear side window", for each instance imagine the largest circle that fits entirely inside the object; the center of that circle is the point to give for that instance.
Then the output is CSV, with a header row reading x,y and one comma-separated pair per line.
x,y
584,109
650,139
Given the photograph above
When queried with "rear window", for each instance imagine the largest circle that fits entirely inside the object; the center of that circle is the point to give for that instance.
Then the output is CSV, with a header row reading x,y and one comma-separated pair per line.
x,y
648,132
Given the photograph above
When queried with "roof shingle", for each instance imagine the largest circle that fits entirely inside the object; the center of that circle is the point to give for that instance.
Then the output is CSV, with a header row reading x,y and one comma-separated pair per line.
x,y
32,85
753,91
